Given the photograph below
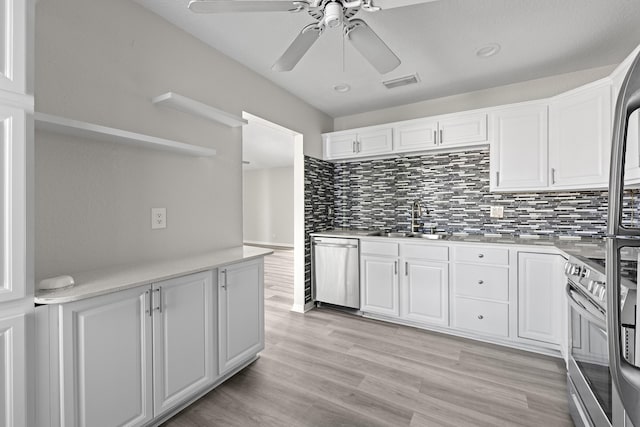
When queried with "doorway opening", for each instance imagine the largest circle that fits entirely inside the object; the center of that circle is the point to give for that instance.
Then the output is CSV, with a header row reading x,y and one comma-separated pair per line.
x,y
273,193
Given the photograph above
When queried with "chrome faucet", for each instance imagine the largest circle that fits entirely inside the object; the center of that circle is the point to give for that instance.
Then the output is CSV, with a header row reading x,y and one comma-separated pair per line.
x,y
416,213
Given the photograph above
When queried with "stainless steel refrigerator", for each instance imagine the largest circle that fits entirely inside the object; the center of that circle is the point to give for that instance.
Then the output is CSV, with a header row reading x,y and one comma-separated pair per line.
x,y
623,249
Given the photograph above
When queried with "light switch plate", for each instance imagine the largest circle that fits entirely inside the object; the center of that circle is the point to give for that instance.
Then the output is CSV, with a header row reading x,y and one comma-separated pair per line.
x,y
158,218
497,212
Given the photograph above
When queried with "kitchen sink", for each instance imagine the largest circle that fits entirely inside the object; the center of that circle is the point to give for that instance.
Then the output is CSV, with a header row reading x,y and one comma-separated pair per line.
x,y
430,236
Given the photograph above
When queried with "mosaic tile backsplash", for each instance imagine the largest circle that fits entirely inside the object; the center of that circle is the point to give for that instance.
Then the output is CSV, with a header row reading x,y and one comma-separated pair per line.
x,y
319,194
453,189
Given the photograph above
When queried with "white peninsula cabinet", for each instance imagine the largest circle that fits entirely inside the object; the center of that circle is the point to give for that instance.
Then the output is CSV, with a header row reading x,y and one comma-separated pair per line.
x,y
240,313
131,355
136,356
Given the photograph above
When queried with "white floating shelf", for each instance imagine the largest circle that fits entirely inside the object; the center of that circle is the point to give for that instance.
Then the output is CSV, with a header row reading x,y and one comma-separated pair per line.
x,y
61,125
191,106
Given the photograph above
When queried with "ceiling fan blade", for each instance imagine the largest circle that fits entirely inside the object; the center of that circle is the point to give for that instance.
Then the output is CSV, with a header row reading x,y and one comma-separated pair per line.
x,y
297,49
390,4
374,50
230,6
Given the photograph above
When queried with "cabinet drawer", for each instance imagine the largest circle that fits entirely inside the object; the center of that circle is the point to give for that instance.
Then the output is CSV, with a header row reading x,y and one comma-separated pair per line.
x,y
491,318
379,248
435,253
481,255
482,281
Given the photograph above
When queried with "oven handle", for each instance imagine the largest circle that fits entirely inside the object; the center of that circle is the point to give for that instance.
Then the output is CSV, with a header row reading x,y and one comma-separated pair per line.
x,y
582,306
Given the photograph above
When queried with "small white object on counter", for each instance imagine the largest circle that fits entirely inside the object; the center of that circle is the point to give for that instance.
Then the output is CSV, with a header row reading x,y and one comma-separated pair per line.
x,y
57,282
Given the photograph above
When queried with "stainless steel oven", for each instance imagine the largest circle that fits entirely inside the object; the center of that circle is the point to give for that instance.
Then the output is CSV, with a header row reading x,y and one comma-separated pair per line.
x,y
592,400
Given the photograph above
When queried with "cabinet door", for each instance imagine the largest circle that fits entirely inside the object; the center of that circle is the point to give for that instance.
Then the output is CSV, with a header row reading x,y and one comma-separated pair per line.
x,y
13,197
464,129
380,285
183,339
425,294
377,141
580,138
106,377
241,313
519,148
416,135
340,145
13,381
14,24
540,297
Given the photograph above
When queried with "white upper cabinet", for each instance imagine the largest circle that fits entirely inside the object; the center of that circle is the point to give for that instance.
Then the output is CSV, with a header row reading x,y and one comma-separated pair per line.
x,y
416,135
356,144
14,24
13,196
462,130
580,137
519,147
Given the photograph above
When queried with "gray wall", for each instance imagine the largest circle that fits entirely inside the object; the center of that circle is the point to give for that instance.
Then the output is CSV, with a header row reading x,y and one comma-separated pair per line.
x,y
268,206
101,62
517,92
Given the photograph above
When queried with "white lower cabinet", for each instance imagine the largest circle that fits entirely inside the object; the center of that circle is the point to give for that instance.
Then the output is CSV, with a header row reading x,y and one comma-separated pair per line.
x,y
183,339
131,357
541,302
106,355
240,313
485,317
13,371
425,292
380,285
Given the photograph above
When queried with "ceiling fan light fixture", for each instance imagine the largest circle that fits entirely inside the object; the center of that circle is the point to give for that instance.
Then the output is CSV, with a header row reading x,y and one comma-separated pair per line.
x,y
333,15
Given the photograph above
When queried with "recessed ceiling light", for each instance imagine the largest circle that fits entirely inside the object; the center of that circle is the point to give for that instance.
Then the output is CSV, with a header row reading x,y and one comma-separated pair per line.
x,y
342,88
488,50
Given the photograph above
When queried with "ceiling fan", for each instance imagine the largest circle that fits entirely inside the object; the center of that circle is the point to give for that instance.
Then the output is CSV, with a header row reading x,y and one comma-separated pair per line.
x,y
328,14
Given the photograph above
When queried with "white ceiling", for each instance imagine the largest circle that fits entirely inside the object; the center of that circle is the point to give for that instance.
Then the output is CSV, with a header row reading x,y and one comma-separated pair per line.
x,y
437,40
266,145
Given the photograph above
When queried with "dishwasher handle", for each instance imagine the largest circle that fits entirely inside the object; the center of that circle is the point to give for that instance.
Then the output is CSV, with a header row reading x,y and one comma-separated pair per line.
x,y
333,245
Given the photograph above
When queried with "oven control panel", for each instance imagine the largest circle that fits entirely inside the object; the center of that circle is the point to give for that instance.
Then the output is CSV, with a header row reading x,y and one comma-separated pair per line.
x,y
588,278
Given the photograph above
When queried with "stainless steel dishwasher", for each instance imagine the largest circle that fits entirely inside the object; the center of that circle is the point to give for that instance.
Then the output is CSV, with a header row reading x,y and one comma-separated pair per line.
x,y
336,271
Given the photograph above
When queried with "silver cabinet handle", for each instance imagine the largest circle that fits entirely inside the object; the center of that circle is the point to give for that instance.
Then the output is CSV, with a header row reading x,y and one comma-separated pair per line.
x,y
553,175
395,267
480,316
480,282
406,268
497,179
159,291
353,146
149,311
224,282
441,136
435,137
480,255
358,146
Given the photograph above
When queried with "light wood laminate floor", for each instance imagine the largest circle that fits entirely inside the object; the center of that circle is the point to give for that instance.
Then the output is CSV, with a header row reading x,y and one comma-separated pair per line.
x,y
326,368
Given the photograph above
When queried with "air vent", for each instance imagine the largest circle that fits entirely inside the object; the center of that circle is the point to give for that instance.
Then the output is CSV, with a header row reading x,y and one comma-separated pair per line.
x,y
402,81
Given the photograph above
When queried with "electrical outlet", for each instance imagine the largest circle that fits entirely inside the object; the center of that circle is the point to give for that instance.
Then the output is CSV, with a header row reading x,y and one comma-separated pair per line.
x,y
497,212
158,218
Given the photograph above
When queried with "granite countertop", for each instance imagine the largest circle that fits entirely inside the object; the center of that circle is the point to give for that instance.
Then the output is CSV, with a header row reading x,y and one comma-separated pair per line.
x,y
104,281
585,246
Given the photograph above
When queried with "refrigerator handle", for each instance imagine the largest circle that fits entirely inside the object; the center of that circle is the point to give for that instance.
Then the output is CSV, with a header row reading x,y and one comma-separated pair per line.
x,y
626,376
